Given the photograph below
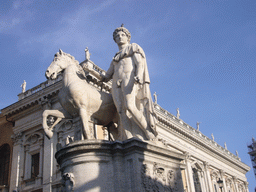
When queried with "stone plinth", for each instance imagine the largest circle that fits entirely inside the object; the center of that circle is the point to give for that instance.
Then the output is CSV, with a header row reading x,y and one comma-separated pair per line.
x,y
132,165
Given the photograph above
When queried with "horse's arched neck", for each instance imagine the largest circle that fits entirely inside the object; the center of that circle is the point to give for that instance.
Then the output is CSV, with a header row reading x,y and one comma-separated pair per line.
x,y
70,74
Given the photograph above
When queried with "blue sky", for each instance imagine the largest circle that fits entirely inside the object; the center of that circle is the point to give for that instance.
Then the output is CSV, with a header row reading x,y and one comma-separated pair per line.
x,y
201,54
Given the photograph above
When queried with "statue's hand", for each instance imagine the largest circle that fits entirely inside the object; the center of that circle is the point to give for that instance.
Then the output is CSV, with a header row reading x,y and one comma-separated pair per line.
x,y
137,80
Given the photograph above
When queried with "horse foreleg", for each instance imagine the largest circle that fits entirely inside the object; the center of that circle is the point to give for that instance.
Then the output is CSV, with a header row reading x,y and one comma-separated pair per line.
x,y
86,131
56,113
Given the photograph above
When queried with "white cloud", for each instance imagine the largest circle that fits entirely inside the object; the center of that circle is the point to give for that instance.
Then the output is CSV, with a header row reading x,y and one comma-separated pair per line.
x,y
19,13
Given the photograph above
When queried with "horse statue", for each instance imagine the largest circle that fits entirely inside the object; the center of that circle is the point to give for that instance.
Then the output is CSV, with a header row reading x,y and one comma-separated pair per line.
x,y
77,97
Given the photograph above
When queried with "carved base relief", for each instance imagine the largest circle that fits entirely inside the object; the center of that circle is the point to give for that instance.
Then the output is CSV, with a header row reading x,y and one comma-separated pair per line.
x,y
160,178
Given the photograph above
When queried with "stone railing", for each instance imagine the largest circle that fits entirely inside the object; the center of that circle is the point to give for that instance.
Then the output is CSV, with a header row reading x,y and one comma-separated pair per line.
x,y
39,87
196,132
94,81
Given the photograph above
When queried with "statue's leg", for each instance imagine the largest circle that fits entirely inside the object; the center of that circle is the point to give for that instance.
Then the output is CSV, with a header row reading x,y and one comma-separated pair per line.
x,y
56,113
84,117
130,92
123,121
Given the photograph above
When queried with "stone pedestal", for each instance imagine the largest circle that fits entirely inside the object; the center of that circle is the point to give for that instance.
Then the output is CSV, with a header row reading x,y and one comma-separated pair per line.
x,y
132,165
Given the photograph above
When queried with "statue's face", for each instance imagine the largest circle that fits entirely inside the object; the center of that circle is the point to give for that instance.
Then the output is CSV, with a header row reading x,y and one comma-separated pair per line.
x,y
121,38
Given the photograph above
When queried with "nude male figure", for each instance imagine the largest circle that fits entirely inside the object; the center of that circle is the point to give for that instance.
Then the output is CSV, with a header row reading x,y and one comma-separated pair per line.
x,y
130,88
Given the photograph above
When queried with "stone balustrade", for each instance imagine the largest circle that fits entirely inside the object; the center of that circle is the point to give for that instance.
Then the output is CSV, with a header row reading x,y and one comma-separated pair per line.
x,y
39,87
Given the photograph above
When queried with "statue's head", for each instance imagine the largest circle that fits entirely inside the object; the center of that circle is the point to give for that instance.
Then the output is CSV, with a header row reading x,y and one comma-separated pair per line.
x,y
123,29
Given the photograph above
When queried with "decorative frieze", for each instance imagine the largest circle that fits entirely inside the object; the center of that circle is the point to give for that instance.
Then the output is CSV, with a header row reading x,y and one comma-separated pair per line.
x,y
17,138
161,179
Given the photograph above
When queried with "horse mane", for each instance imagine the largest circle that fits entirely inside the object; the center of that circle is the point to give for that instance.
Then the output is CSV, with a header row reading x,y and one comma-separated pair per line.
x,y
80,69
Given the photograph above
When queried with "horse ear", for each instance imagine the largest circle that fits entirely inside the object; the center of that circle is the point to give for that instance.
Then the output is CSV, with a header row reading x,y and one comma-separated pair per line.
x,y
60,51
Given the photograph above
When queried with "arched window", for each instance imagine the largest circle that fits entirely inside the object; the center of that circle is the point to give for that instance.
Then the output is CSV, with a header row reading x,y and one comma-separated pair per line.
x,y
4,164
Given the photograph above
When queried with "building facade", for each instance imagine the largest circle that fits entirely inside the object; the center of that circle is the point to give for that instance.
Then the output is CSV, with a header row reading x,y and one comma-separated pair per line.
x,y
27,155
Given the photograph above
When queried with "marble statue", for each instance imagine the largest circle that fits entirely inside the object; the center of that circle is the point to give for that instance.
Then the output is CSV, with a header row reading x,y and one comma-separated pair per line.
x,y
23,86
212,136
130,88
178,113
197,125
155,98
77,97
87,54
237,153
225,145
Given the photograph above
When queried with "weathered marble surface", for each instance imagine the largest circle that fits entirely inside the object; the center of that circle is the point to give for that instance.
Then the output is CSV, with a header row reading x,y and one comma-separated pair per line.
x,y
130,88
77,97
132,165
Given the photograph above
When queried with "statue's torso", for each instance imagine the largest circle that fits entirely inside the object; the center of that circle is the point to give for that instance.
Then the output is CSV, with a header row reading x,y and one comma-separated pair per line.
x,y
124,69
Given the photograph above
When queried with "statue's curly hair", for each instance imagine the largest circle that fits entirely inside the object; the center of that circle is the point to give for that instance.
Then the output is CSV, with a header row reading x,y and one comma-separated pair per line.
x,y
122,28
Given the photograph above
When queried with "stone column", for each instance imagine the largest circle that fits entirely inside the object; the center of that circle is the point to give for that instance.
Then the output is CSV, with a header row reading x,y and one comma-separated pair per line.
x,y
47,173
208,177
27,161
246,186
41,158
222,173
235,183
17,163
191,185
202,181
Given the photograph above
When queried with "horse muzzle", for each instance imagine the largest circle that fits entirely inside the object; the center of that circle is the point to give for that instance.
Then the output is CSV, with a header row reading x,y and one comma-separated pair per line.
x,y
49,75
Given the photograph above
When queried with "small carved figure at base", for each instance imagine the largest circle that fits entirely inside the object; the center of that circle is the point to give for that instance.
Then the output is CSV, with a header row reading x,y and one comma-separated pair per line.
x,y
68,180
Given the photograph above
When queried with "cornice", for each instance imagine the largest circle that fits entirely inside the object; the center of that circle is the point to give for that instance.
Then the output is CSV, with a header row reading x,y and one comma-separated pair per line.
x,y
196,138
33,99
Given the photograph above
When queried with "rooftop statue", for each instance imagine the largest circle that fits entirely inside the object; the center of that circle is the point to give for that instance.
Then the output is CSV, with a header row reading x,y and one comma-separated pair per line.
x,y
212,136
87,54
197,125
155,98
178,113
130,88
23,86
77,97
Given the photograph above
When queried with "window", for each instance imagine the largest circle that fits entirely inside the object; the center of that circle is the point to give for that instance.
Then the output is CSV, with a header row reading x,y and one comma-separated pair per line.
x,y
34,165
4,164
196,180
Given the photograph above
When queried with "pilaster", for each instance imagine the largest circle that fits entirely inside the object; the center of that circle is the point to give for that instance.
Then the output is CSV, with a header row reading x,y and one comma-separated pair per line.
x,y
246,186
17,163
27,162
222,173
41,158
47,173
191,185
235,183
208,177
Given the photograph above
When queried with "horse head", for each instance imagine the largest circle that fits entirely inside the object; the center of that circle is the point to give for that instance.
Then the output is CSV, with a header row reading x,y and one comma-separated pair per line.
x,y
60,62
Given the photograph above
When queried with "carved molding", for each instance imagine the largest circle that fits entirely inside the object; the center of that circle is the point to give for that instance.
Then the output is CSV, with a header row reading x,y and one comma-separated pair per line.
x,y
229,182
162,179
17,138
214,175
34,138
